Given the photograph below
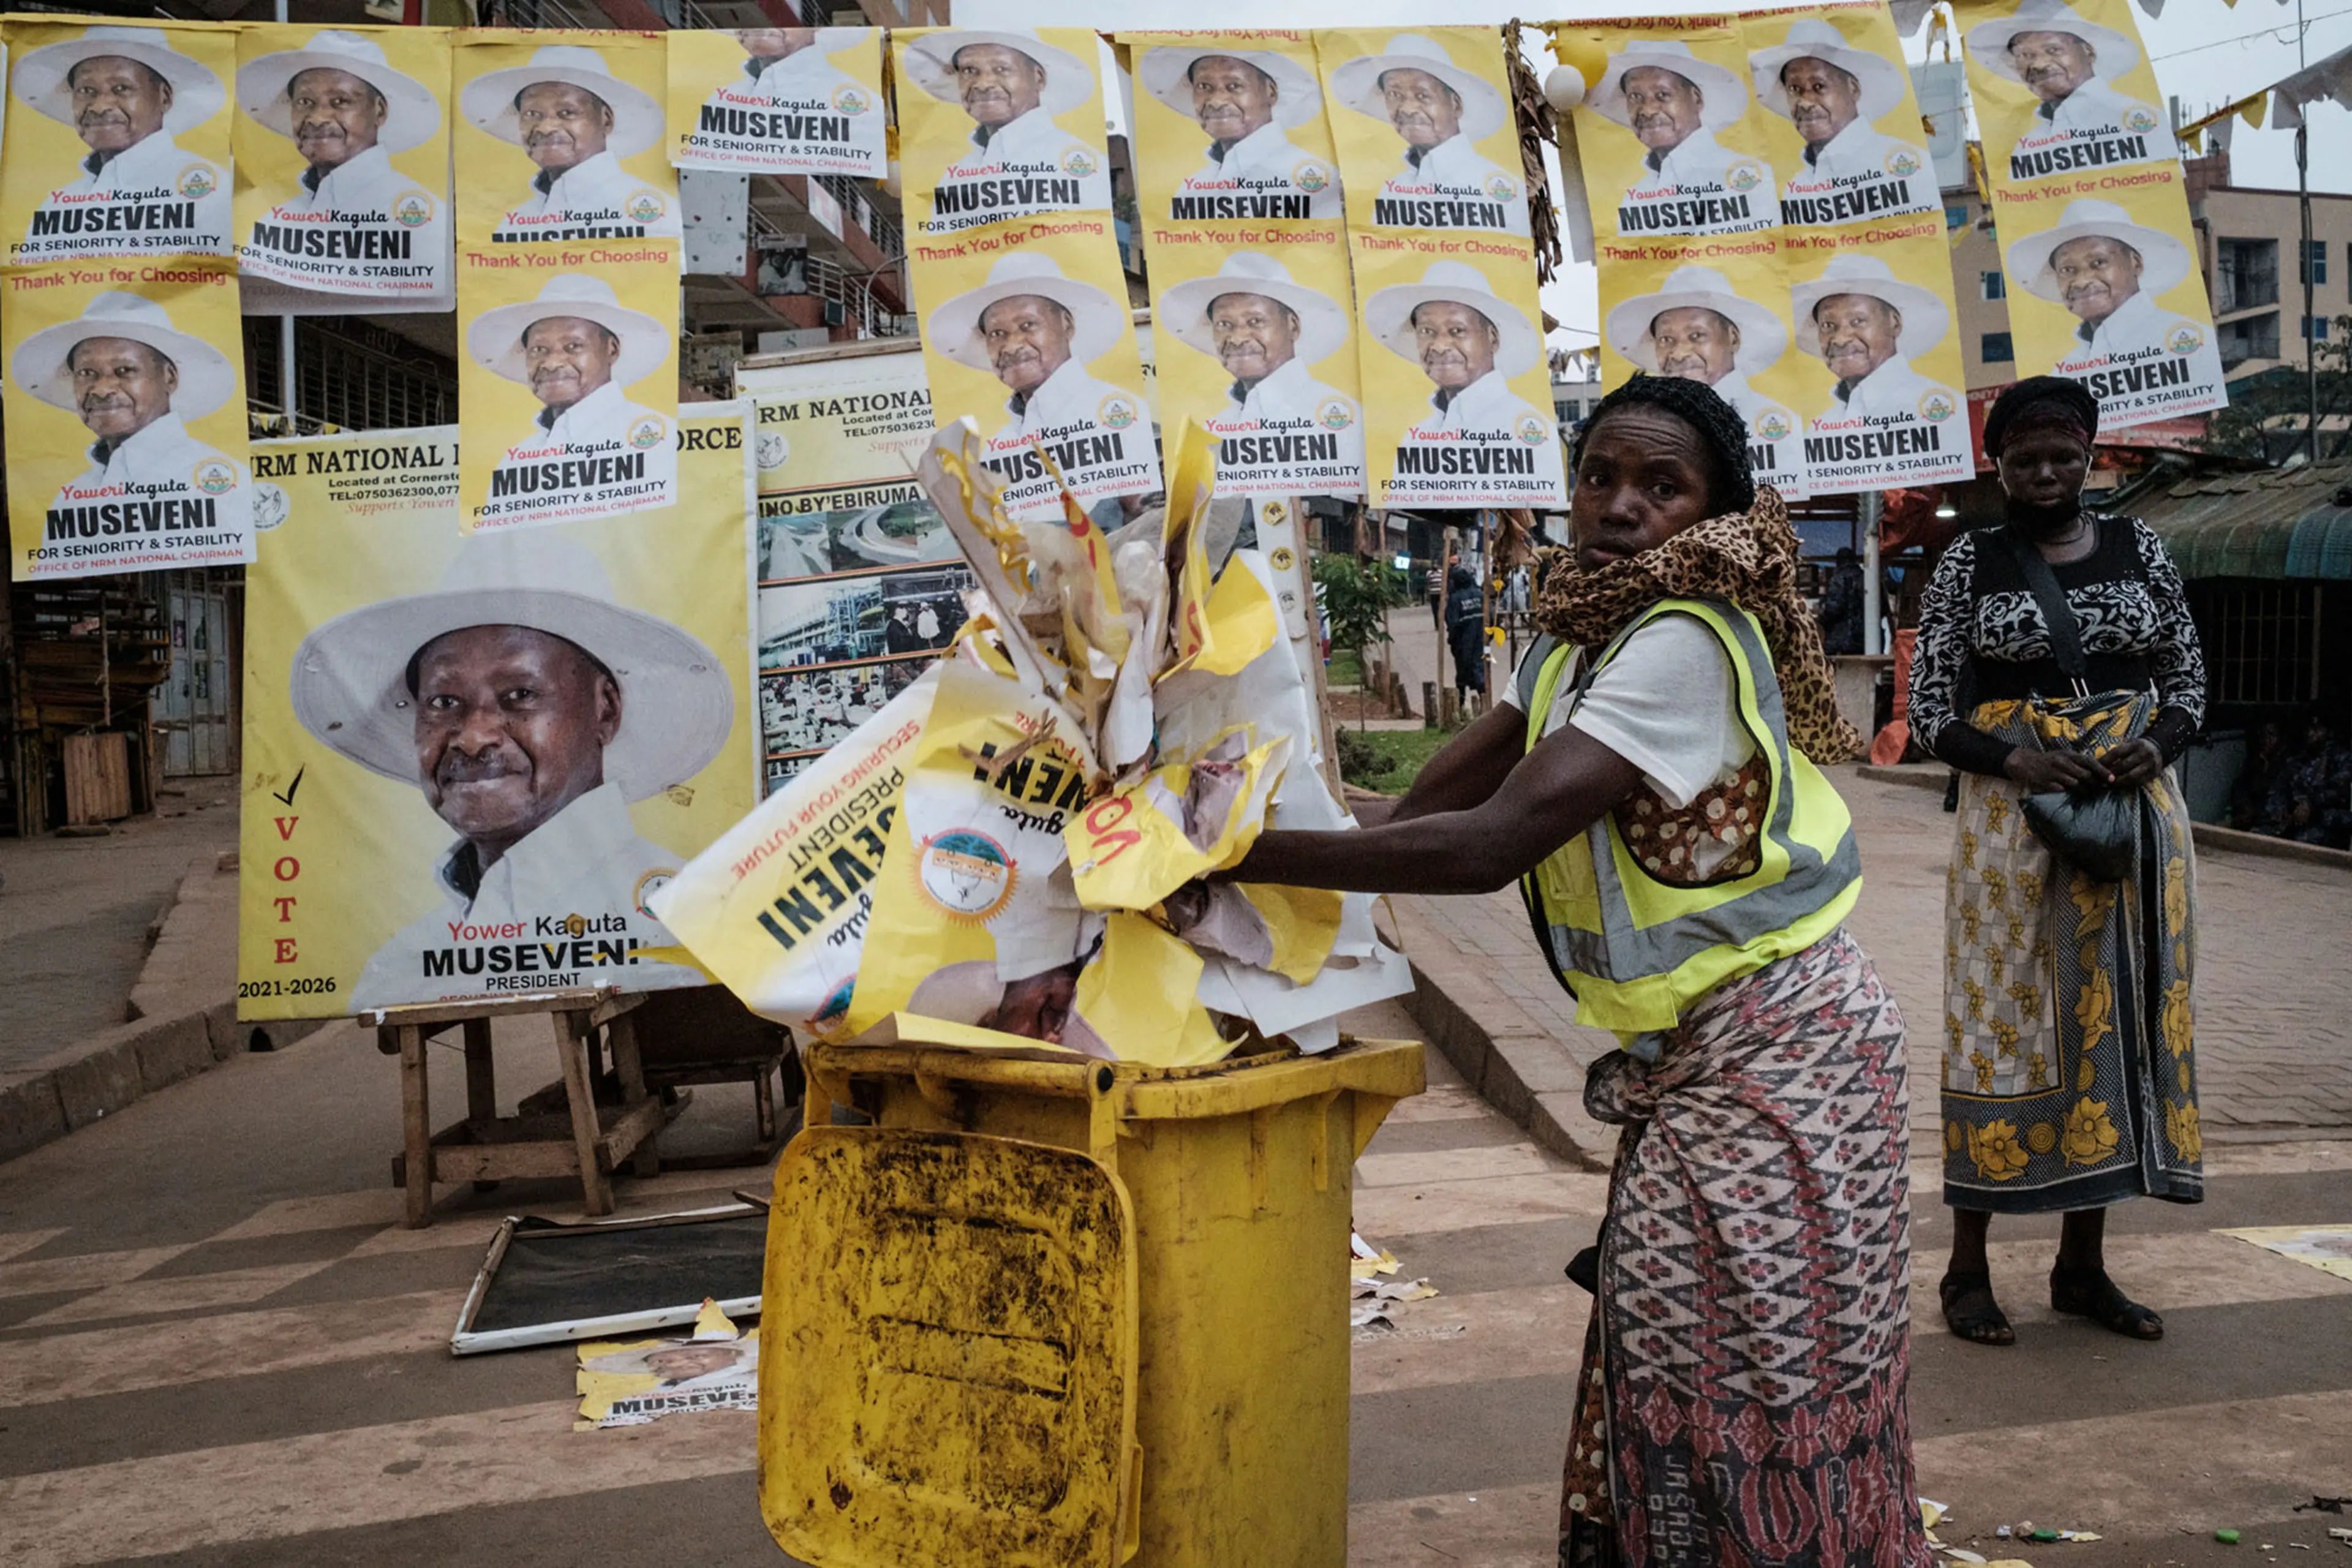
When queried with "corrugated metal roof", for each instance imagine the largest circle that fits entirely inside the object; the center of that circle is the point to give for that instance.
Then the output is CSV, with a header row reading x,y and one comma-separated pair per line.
x,y
2275,523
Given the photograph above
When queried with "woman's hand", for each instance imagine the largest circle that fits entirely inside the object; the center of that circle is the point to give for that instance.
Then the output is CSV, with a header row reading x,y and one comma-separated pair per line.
x,y
2040,771
2132,763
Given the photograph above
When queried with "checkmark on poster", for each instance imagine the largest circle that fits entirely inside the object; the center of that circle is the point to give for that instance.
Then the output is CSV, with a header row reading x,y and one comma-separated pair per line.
x,y
288,796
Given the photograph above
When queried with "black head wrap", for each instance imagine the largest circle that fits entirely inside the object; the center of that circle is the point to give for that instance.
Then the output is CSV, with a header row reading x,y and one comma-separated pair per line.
x,y
1733,487
2040,403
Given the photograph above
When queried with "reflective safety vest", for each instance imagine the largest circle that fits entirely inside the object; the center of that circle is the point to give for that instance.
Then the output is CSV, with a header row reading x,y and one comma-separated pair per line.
x,y
1637,953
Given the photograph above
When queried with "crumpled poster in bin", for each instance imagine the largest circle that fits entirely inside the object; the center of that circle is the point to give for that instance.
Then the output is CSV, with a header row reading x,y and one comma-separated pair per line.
x,y
1135,845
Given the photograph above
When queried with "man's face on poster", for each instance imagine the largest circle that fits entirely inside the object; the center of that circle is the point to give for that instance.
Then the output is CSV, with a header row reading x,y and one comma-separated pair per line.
x,y
335,116
679,1363
998,85
1824,98
1664,107
1694,343
563,125
511,726
1254,335
1424,110
1231,98
1455,343
2052,64
120,386
117,102
777,43
1858,331
568,357
2095,274
1028,339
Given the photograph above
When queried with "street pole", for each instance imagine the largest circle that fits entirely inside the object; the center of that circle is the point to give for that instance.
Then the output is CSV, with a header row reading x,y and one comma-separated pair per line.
x,y
2302,193
286,330
1873,589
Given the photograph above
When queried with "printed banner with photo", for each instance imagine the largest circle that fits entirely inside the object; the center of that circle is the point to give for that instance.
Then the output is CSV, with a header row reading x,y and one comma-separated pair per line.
x,y
1671,135
560,136
413,830
570,377
342,169
853,420
1423,127
1840,123
857,528
118,137
805,712
2062,88
126,427
778,101
994,126
1243,223
628,1382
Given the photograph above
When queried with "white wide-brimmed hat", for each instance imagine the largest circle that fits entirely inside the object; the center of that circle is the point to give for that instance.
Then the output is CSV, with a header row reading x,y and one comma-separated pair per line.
x,y
495,337
1165,73
1724,97
1388,314
1357,83
1925,318
489,99
1987,42
633,1364
2164,261
1322,325
1882,80
954,327
930,61
39,79
1762,338
411,111
207,380
350,678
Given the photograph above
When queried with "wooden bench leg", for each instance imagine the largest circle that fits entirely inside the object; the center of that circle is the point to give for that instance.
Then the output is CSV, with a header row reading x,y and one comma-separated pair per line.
x,y
482,1083
763,1105
571,1033
629,1067
416,1122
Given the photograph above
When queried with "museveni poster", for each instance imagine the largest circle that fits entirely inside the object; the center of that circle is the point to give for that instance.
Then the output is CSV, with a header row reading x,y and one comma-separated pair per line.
x,y
778,101
470,760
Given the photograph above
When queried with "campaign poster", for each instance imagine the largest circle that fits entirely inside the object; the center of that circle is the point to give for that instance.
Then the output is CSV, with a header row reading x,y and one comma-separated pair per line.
x,y
342,169
1715,311
852,528
126,431
853,419
1672,139
1839,119
862,615
118,138
471,760
1423,126
994,126
2062,88
778,101
1243,224
559,135
568,379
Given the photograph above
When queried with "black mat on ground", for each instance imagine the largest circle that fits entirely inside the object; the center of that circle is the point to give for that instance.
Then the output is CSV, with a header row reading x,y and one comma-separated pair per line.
x,y
558,1274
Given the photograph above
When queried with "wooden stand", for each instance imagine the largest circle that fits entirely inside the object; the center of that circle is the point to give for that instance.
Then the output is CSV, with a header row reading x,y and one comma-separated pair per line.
x,y
486,1147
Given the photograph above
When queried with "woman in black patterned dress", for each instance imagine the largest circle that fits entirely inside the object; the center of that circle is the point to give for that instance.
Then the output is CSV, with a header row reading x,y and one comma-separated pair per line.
x,y
2069,1079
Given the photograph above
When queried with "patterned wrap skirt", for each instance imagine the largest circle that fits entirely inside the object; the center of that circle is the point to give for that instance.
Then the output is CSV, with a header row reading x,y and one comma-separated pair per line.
x,y
2069,1072
1743,1396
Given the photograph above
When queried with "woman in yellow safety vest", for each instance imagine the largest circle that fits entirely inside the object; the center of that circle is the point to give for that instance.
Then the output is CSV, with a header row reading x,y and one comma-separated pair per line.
x,y
1650,782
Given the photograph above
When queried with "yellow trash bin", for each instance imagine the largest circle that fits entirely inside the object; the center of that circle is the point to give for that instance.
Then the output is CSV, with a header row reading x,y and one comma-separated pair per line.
x,y
1062,1314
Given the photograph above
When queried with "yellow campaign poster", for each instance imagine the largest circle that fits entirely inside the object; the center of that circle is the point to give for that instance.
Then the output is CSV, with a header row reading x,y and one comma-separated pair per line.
x,y
570,376
1422,125
126,431
560,138
1671,137
778,101
853,420
1839,119
342,168
998,125
1242,223
470,761
118,138
2062,88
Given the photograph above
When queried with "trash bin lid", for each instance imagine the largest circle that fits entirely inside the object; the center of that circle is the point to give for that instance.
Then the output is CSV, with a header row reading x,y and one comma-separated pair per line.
x,y
948,1352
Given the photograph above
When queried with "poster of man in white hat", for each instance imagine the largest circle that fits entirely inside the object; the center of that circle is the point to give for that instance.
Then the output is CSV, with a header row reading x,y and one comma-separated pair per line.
x,y
582,117
1248,102
778,101
126,152
1884,422
2049,81
1432,101
1478,442
1038,331
1279,431
322,207
1834,94
1699,326
1652,150
997,125
590,451
688,1375
123,484
2109,272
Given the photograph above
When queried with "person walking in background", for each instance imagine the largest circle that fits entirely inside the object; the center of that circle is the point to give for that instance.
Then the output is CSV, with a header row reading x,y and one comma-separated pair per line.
x,y
1842,604
1465,633
2070,1077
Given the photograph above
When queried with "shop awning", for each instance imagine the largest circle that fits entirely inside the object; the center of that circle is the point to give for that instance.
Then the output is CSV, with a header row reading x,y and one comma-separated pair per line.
x,y
2277,524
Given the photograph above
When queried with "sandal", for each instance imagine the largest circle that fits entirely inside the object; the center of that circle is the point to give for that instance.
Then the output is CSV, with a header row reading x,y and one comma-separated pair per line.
x,y
2089,1293
1970,1311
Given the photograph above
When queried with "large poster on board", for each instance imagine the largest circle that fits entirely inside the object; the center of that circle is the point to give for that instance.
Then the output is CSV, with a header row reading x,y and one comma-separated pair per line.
x,y
778,101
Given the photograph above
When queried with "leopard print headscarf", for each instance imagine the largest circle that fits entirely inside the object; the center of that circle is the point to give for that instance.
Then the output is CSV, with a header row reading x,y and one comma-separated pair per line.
x,y
1748,557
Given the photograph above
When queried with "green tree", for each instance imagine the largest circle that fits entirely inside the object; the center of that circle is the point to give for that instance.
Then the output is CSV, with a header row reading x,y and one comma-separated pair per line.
x,y
1355,598
2269,412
